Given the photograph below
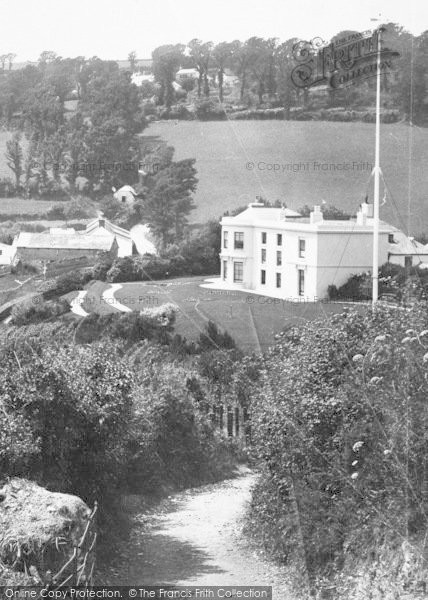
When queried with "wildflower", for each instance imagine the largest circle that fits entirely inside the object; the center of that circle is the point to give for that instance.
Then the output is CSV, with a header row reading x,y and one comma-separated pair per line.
x,y
358,358
354,475
357,446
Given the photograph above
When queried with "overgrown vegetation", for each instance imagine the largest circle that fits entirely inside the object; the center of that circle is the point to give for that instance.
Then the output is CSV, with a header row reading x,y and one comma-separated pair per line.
x,y
339,426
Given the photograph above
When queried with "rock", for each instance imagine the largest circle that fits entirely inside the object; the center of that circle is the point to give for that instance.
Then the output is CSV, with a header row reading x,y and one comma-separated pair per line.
x,y
39,529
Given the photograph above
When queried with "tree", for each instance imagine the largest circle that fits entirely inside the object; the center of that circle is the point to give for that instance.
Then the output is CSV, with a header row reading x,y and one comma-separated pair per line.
x,y
241,56
221,55
132,58
10,58
166,62
14,158
201,55
168,201
284,84
3,59
258,61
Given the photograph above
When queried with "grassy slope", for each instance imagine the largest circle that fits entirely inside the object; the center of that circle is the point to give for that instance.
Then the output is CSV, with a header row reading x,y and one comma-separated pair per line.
x,y
222,150
198,305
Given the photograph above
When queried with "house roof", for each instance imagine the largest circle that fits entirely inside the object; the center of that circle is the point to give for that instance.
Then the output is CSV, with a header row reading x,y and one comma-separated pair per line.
x,y
78,241
126,188
408,247
260,216
262,213
97,226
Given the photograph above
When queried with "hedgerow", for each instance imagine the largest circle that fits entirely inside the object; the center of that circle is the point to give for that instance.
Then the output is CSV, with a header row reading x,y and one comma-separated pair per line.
x,y
340,426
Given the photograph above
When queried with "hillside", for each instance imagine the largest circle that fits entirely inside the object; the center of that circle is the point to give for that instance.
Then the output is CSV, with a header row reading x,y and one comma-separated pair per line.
x,y
223,149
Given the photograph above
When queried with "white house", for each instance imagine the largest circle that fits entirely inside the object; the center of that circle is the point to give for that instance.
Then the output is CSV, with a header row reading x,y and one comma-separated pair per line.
x,y
183,74
126,194
279,253
7,254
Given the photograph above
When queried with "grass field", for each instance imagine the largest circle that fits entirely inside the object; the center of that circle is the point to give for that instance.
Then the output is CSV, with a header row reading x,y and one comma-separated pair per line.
x,y
223,149
251,320
11,206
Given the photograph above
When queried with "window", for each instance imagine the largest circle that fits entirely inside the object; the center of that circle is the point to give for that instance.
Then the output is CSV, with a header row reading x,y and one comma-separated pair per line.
x,y
238,272
123,198
391,238
225,269
301,282
408,261
302,248
239,240
1,251
263,276
278,280
263,237
263,255
279,239
225,238
278,258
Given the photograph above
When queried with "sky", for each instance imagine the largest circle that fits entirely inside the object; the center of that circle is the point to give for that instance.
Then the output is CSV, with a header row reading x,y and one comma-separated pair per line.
x,y
111,29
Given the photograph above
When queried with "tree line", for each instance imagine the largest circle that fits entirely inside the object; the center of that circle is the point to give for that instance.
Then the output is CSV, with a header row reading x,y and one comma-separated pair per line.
x,y
263,67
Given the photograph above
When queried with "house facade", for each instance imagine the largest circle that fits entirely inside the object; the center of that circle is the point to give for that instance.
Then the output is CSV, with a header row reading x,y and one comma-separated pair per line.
x,y
279,253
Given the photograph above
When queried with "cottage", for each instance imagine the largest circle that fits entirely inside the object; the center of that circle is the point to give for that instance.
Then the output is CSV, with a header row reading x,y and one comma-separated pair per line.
x,y
100,226
279,253
48,246
126,194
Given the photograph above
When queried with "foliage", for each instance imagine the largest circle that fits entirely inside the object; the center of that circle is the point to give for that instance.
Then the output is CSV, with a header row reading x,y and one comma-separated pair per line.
x,y
339,467
24,313
75,405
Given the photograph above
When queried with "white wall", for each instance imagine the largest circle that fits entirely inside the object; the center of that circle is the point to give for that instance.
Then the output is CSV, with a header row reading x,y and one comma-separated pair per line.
x,y
341,255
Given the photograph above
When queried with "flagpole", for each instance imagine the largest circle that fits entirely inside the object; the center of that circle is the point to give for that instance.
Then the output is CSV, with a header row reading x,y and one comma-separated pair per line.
x,y
375,274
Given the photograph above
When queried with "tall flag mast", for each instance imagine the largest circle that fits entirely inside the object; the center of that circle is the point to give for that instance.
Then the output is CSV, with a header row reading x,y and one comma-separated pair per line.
x,y
375,274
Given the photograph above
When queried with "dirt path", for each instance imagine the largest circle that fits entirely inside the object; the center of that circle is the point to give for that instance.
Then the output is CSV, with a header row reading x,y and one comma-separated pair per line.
x,y
194,538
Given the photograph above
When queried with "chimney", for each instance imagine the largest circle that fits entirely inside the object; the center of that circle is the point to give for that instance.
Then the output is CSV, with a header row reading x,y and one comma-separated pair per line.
x,y
316,215
101,223
365,212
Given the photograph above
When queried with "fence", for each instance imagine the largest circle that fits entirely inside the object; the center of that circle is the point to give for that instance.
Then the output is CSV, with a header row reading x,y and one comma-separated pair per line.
x,y
79,568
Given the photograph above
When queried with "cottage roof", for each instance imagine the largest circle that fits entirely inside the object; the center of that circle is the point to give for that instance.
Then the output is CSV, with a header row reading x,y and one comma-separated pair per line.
x,y
78,241
98,226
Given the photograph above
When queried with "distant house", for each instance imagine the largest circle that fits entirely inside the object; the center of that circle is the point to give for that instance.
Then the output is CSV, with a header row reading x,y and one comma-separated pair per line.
x,y
406,251
7,254
140,78
126,194
100,226
184,74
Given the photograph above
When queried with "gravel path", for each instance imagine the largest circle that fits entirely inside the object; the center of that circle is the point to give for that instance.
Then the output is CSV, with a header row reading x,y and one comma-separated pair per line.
x,y
194,538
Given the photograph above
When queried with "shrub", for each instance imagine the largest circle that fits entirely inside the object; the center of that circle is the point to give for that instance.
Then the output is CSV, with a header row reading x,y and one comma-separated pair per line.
x,y
76,403
339,425
208,110
37,310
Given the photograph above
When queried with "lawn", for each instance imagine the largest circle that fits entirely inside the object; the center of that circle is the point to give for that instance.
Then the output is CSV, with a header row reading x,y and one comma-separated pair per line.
x,y
251,320
223,149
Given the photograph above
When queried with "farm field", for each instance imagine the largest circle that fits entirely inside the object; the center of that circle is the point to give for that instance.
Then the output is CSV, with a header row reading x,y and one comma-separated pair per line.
x,y
251,320
232,159
11,206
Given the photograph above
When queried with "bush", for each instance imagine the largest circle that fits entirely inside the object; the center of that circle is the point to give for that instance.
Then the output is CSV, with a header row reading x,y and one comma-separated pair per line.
x,y
37,310
208,110
340,426
72,407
